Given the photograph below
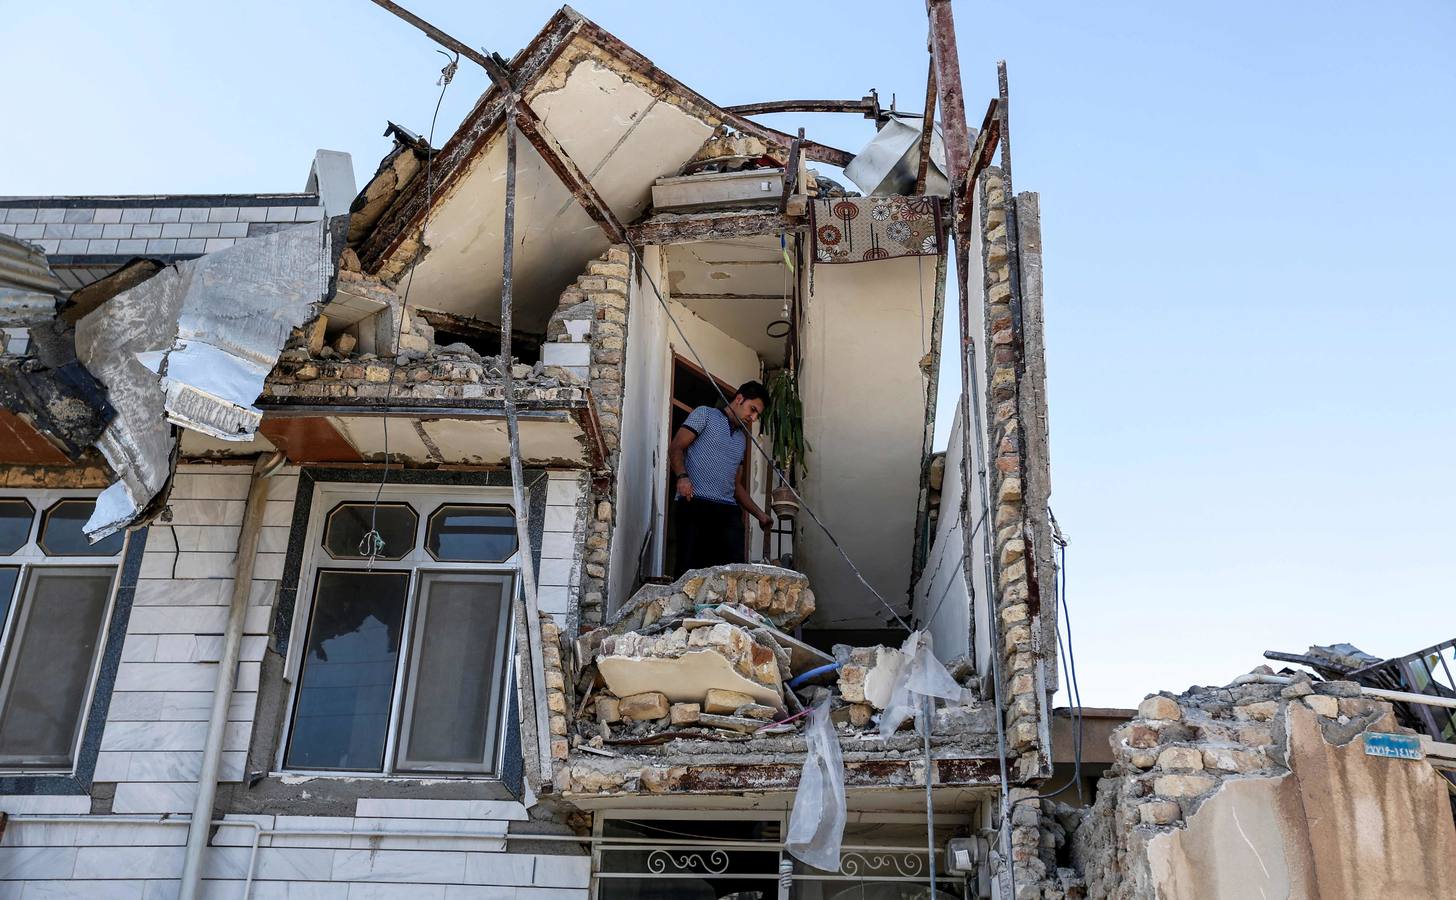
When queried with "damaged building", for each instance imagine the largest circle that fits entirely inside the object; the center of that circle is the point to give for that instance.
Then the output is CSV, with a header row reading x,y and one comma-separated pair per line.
x,y
337,539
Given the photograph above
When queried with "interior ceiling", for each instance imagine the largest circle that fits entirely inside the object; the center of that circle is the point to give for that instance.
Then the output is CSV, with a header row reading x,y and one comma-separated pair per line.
x,y
738,286
421,440
621,136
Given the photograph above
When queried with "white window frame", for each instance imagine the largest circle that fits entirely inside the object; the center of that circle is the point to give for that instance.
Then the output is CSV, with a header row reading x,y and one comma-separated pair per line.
x,y
31,558
424,500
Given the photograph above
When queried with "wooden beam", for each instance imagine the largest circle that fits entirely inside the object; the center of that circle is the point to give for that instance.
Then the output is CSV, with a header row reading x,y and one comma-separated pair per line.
x,y
530,125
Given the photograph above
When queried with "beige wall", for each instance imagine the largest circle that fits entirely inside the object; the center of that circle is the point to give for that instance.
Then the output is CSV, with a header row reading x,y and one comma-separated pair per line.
x,y
866,327
1339,826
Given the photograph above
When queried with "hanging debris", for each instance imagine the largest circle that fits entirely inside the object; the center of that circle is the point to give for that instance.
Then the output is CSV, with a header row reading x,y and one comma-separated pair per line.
x,y
192,346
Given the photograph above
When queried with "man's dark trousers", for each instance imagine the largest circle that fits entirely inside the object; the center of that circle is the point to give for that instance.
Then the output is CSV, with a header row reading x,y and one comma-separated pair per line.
x,y
708,533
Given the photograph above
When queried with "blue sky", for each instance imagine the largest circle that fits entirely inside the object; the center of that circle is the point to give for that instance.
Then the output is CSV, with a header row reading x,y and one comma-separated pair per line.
x,y
1246,216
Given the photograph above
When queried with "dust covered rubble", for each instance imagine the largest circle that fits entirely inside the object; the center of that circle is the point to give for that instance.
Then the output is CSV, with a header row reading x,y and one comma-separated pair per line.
x,y
700,669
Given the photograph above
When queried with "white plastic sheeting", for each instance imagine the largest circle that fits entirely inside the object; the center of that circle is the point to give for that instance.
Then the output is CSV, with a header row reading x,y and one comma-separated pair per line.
x,y
192,346
924,677
816,825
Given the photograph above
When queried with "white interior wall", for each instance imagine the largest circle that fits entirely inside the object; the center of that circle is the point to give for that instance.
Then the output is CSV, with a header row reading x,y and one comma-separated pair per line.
x,y
647,374
866,327
730,361
942,602
985,625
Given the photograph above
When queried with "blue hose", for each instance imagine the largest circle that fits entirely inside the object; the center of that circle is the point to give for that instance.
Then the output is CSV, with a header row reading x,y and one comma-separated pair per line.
x,y
800,679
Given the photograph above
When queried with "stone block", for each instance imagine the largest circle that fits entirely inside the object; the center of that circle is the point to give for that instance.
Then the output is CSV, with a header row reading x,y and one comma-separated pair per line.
x,y
684,713
1180,759
1160,707
1323,705
718,700
860,714
1262,711
645,707
1228,759
1158,812
609,710
1183,785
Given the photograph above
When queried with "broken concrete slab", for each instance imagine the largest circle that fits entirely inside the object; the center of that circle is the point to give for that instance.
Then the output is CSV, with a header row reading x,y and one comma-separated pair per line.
x,y
731,723
683,679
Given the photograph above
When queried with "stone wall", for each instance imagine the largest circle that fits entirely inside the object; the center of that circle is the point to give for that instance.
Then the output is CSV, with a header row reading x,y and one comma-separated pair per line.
x,y
1022,645
587,337
1263,790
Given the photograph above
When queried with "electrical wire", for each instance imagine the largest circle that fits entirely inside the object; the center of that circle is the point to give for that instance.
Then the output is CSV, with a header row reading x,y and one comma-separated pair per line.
x,y
371,545
1069,665
782,476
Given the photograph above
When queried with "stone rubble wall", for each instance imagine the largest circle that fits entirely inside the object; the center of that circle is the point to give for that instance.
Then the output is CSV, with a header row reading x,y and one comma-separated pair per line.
x,y
1182,753
586,338
1019,618
405,364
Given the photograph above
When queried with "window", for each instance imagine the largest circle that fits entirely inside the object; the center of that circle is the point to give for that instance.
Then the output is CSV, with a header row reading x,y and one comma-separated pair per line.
x,y
401,662
55,595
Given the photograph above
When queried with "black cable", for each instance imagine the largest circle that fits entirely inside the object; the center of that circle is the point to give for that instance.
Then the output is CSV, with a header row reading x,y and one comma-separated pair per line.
x,y
373,539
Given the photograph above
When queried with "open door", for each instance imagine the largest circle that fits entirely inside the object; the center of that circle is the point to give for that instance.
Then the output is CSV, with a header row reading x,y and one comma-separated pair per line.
x,y
691,388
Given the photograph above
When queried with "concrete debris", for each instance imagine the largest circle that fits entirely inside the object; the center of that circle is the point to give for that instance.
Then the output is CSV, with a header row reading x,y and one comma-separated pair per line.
x,y
781,596
193,346
680,669
1260,778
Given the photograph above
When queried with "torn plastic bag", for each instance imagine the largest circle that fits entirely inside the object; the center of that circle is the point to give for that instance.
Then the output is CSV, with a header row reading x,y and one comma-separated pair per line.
x,y
816,826
923,676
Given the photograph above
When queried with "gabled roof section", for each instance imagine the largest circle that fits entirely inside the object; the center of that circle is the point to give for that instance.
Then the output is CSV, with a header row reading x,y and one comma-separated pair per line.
x,y
621,150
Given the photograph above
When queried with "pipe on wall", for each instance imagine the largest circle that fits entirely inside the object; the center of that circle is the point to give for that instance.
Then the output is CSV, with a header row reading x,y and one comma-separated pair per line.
x,y
227,673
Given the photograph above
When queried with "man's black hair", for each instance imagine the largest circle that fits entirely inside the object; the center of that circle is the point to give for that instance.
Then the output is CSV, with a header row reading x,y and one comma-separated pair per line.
x,y
753,390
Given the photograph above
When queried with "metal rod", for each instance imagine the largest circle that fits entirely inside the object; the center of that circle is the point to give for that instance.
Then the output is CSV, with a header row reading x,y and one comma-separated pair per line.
x,y
535,131
227,670
518,480
958,159
927,129
868,106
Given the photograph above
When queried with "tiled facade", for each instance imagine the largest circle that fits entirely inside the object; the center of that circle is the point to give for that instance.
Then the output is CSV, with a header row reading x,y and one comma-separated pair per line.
x,y
71,230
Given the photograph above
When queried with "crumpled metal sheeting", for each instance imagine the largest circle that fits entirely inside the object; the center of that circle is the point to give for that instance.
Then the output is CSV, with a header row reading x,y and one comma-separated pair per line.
x,y
29,290
192,347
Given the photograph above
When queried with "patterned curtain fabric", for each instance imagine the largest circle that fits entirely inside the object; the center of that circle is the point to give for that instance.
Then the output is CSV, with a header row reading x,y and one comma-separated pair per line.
x,y
860,229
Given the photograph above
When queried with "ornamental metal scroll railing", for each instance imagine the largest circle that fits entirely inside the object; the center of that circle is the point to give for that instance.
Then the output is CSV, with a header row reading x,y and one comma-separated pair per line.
x,y
746,861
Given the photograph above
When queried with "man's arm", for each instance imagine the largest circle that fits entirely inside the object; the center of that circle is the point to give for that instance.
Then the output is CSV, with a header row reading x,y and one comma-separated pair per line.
x,y
741,491
676,451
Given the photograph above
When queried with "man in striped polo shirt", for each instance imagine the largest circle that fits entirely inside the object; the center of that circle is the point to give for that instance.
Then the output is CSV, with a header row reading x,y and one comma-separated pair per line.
x,y
709,456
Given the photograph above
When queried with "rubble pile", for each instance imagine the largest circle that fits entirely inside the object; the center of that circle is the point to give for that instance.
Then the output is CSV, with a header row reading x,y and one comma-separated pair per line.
x,y
711,658
1179,752
398,357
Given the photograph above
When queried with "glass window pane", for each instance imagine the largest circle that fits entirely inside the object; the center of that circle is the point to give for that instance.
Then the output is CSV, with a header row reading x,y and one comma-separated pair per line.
x,y
15,518
457,672
9,576
472,533
61,535
341,715
348,523
52,653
